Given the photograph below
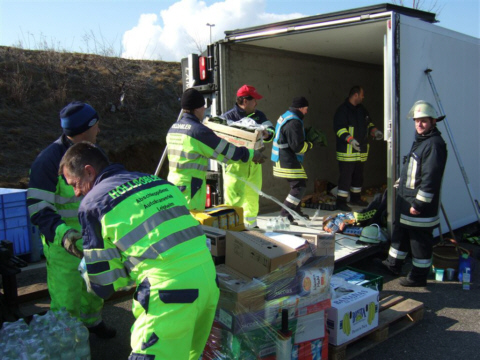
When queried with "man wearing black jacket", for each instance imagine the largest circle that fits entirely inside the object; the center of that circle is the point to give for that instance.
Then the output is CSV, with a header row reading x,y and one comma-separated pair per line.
x,y
418,197
289,147
352,126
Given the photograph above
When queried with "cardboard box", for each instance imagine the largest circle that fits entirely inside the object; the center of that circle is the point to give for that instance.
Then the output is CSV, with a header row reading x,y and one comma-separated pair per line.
x,y
253,254
316,349
238,323
237,136
321,242
352,314
239,293
217,239
222,217
367,279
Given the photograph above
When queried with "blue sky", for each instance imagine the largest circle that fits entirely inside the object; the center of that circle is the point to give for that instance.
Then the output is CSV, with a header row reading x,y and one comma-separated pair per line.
x,y
168,30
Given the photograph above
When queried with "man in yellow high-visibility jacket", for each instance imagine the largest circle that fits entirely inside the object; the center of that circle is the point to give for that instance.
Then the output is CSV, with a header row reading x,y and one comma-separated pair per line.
x,y
137,229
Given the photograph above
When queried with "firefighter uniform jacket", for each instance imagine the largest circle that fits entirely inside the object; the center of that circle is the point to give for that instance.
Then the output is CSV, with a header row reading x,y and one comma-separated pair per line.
x,y
289,146
421,180
190,146
352,122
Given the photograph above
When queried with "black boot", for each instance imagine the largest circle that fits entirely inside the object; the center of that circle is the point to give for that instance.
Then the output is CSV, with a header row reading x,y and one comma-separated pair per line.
x,y
356,199
341,204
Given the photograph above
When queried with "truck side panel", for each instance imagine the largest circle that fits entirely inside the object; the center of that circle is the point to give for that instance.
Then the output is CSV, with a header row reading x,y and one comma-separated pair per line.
x,y
454,59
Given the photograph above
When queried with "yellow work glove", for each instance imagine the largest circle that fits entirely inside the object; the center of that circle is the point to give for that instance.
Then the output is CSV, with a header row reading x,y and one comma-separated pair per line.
x,y
69,242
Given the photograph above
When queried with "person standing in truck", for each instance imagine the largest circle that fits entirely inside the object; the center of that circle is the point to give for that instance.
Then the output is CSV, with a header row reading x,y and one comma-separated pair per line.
x,y
237,192
352,126
190,145
288,151
138,230
53,207
418,198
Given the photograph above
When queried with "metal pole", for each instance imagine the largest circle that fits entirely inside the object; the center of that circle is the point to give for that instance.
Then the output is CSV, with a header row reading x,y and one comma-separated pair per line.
x,y
476,206
164,155
210,25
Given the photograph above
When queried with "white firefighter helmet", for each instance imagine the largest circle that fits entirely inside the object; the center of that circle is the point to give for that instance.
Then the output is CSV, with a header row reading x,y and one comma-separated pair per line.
x,y
421,109
373,234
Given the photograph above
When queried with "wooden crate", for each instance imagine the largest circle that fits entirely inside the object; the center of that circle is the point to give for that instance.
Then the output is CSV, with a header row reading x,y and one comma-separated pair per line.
x,y
237,136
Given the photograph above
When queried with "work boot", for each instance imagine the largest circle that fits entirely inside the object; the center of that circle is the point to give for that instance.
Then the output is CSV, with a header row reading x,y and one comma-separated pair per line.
x,y
408,282
103,331
341,204
356,199
385,265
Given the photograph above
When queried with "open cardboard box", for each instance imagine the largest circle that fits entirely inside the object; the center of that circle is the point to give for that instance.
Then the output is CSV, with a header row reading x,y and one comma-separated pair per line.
x,y
237,136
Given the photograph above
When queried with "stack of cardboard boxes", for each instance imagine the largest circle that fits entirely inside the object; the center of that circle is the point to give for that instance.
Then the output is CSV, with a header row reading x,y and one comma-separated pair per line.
x,y
263,274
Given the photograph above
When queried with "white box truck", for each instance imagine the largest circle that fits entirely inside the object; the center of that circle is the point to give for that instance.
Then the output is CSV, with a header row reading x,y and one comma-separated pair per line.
x,y
385,49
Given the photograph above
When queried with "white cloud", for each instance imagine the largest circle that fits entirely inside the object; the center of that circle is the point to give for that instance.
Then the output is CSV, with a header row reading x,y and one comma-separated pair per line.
x,y
181,29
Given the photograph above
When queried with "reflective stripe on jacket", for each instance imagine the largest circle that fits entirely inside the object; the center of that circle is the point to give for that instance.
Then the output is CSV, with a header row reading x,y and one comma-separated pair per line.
x,y
52,203
190,145
134,223
352,122
289,146
421,181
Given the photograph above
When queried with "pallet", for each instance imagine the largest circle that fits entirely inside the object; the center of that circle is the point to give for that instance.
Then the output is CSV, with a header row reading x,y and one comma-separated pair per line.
x,y
396,314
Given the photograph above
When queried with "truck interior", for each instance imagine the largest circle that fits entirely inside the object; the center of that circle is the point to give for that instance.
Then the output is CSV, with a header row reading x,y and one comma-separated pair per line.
x,y
321,58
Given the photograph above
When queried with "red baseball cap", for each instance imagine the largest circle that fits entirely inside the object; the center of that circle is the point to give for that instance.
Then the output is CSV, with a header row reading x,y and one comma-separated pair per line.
x,y
247,90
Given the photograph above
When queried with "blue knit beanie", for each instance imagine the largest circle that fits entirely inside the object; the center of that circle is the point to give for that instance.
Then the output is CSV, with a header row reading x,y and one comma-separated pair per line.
x,y
77,117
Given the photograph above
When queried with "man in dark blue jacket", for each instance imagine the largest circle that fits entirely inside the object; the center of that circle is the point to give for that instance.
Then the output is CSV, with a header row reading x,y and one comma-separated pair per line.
x,y
352,126
418,197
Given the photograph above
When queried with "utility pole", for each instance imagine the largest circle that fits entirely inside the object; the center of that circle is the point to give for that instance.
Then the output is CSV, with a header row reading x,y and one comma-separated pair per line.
x,y
210,25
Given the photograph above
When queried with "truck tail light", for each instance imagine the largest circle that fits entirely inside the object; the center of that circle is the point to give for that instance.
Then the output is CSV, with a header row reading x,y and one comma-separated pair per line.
x,y
202,64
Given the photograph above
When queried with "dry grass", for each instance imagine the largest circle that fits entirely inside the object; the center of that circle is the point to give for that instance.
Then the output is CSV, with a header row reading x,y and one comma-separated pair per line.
x,y
136,100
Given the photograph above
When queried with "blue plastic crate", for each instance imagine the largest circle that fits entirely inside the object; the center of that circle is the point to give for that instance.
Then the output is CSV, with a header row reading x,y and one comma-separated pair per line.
x,y
14,220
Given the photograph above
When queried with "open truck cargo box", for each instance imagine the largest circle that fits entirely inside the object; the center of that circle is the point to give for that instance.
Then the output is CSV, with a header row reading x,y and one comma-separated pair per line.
x,y
385,49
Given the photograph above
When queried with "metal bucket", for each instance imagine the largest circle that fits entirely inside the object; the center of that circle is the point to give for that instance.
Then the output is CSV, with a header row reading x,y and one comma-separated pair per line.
x,y
447,253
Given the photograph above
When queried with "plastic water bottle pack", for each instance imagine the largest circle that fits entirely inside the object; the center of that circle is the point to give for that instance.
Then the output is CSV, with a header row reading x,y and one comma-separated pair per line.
x,y
53,336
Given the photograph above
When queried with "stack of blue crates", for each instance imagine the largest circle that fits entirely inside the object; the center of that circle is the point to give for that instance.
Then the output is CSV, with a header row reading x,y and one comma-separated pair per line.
x,y
15,223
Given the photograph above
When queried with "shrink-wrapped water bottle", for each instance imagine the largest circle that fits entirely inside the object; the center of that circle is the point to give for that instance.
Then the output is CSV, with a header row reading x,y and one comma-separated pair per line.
x,y
270,224
67,344
82,349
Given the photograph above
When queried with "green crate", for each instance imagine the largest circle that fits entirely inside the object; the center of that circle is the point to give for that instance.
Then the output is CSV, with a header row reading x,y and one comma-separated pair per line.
x,y
375,282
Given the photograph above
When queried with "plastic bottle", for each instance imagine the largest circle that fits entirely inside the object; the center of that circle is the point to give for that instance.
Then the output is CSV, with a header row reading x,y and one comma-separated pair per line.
x,y
464,262
82,349
286,223
466,279
284,339
270,225
67,344
277,225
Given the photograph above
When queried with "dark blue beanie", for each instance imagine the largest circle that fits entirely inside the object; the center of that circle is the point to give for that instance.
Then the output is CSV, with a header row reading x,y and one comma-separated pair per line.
x,y
77,117
299,102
